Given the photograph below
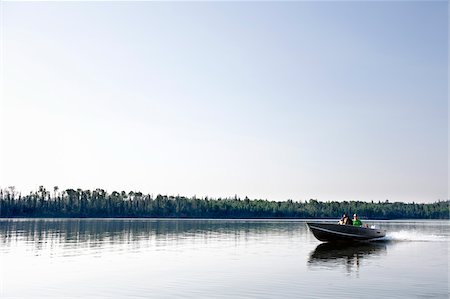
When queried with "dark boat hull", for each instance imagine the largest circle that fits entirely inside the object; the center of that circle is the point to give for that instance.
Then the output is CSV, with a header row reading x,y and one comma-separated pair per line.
x,y
330,232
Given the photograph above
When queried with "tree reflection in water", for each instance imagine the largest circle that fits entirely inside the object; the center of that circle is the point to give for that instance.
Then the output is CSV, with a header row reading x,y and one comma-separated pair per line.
x,y
350,255
73,237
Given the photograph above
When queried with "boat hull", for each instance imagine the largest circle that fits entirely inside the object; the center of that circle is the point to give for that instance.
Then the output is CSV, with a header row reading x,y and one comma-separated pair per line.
x,y
330,232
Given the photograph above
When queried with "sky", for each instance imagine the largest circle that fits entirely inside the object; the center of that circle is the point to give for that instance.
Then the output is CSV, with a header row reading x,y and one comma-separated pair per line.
x,y
272,100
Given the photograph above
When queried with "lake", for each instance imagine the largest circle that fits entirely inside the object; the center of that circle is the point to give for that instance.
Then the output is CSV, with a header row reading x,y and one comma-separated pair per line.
x,y
159,258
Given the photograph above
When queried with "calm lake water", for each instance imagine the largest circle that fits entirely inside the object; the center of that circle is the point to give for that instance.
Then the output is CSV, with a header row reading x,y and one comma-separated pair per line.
x,y
148,258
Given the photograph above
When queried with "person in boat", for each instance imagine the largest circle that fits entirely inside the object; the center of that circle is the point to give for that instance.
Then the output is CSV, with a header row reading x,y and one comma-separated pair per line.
x,y
356,221
345,220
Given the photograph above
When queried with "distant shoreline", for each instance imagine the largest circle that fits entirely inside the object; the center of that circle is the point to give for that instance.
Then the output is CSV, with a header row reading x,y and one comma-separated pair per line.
x,y
218,219
99,203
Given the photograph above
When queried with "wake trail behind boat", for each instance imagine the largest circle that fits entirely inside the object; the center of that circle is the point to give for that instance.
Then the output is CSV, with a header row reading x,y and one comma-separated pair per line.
x,y
414,236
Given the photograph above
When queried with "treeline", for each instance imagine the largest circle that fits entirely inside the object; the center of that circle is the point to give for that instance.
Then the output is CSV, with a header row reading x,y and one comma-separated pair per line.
x,y
99,203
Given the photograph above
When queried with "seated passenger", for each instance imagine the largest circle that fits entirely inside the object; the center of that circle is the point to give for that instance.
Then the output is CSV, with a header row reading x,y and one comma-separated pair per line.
x,y
356,221
345,220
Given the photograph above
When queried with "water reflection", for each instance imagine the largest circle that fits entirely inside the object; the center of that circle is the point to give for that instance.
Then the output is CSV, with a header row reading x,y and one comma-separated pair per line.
x,y
349,255
143,258
70,237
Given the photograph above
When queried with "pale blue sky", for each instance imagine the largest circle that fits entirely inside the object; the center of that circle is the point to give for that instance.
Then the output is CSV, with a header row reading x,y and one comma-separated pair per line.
x,y
276,100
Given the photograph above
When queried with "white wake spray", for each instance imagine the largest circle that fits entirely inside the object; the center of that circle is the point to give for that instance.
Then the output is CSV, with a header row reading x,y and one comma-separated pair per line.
x,y
416,236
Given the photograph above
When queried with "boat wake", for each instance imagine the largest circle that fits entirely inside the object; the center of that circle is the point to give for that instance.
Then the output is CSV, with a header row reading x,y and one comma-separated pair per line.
x,y
413,236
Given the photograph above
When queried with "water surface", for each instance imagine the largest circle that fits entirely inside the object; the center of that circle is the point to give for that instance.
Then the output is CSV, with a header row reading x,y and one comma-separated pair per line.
x,y
142,258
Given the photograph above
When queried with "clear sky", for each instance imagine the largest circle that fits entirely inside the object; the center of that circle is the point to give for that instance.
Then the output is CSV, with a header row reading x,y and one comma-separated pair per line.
x,y
273,100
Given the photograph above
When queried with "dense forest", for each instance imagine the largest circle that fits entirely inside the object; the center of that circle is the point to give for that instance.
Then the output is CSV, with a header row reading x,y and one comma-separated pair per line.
x,y
99,203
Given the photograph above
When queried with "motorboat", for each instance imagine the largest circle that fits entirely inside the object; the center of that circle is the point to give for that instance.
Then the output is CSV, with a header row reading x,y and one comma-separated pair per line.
x,y
330,232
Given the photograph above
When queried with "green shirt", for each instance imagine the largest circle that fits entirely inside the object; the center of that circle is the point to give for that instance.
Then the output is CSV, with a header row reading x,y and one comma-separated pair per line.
x,y
357,222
